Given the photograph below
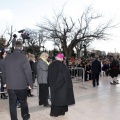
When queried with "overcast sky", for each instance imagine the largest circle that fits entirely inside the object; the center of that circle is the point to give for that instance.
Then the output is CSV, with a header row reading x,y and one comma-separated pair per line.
x,y
26,13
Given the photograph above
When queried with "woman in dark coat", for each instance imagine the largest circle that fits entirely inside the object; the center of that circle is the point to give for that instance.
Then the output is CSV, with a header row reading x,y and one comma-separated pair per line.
x,y
61,87
3,55
114,70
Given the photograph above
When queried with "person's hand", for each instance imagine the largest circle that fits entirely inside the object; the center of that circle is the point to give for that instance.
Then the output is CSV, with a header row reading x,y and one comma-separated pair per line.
x,y
4,85
29,88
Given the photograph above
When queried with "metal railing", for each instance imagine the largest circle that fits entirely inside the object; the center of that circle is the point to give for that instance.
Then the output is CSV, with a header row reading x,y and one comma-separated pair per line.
x,y
78,75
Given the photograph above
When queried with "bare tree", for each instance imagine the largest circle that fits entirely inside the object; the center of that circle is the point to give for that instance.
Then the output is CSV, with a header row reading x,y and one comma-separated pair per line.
x,y
41,39
69,33
82,45
57,44
9,33
35,39
2,42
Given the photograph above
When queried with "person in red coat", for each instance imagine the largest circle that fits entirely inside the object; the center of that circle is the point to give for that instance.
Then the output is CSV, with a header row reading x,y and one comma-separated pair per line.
x,y
61,87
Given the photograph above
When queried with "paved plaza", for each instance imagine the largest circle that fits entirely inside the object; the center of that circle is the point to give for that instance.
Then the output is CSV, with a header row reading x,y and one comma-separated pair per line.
x,y
92,103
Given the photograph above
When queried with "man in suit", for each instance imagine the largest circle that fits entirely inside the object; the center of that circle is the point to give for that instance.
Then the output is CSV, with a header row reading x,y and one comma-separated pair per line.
x,y
96,69
17,76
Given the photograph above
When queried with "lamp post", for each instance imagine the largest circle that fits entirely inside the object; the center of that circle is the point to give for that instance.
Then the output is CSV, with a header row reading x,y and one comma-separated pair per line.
x,y
85,51
14,40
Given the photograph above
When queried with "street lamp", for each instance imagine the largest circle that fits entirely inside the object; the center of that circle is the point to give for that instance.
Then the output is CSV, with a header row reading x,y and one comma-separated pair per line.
x,y
85,51
14,40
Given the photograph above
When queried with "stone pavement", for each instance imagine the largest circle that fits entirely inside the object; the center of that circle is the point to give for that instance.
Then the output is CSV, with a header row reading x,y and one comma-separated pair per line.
x,y
99,103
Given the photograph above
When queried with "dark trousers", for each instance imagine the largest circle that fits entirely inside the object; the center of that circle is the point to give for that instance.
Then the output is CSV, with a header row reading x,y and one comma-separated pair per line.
x,y
43,94
29,93
2,88
33,77
22,96
95,77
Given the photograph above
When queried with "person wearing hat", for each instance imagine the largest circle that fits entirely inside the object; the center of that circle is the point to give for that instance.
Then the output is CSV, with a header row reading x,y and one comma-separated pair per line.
x,y
61,87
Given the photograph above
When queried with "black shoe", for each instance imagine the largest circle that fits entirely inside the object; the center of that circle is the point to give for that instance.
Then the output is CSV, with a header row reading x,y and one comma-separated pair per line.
x,y
112,83
116,82
26,117
47,105
40,103
31,95
3,96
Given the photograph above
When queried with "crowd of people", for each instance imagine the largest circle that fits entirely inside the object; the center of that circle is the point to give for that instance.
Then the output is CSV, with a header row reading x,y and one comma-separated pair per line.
x,y
19,70
95,67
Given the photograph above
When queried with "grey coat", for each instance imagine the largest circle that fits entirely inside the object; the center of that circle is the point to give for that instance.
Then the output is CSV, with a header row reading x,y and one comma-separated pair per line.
x,y
42,72
17,72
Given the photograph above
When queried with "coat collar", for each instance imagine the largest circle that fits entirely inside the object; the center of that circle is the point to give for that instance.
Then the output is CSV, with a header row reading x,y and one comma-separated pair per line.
x,y
17,50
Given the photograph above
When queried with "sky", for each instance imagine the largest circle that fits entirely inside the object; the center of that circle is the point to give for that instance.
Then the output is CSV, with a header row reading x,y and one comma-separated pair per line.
x,y
27,13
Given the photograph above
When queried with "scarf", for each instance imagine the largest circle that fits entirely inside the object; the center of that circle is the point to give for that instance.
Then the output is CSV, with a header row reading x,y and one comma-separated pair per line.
x,y
45,60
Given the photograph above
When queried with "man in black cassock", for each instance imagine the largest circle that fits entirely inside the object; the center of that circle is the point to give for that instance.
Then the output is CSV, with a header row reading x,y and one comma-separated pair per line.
x,y
61,87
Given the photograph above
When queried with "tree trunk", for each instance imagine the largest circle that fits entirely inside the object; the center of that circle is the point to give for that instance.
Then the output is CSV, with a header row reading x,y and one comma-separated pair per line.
x,y
68,52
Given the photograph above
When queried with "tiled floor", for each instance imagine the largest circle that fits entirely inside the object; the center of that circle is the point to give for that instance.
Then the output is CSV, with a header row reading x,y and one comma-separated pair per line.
x,y
99,103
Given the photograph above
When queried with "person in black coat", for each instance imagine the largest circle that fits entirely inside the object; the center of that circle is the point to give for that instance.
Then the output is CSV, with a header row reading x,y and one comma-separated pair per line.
x,y
3,55
96,69
17,76
33,68
114,70
61,87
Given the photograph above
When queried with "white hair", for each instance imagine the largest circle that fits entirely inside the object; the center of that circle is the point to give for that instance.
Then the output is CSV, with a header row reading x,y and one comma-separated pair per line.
x,y
43,54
